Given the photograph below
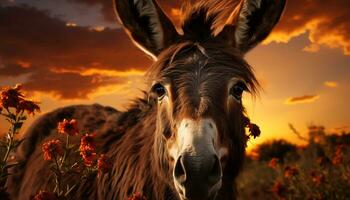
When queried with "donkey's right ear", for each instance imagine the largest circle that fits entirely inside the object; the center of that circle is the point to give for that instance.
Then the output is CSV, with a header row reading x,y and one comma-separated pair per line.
x,y
146,24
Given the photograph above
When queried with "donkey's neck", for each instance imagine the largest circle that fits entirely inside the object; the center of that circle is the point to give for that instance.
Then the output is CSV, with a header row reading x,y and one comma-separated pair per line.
x,y
138,156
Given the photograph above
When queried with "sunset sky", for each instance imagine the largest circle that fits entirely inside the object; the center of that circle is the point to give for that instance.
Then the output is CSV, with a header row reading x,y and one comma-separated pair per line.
x,y
74,52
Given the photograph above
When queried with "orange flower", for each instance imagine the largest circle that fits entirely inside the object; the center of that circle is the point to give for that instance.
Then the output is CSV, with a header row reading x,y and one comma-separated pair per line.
x,y
339,149
52,149
88,157
338,159
87,142
87,149
10,97
338,155
254,130
30,106
317,178
273,163
68,127
290,171
104,164
44,195
278,189
137,196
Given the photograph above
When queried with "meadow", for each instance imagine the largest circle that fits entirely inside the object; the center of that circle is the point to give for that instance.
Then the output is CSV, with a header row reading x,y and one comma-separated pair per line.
x,y
281,170
273,170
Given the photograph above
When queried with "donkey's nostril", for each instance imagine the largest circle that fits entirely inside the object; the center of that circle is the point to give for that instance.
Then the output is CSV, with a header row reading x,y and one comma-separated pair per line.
x,y
179,171
215,173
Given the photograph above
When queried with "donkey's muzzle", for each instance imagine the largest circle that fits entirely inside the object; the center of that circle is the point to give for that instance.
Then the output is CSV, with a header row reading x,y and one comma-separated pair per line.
x,y
198,177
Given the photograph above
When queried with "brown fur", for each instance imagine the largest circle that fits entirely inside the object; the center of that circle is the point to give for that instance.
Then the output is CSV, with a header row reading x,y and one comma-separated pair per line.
x,y
199,66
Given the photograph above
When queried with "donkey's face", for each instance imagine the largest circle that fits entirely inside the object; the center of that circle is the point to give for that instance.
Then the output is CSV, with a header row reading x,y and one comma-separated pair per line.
x,y
197,82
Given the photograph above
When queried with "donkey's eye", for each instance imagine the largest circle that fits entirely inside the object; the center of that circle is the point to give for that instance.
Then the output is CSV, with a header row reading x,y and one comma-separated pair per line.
x,y
237,90
159,90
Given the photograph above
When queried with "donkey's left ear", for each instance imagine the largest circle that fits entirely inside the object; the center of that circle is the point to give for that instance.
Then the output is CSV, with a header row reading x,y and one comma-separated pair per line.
x,y
146,24
252,21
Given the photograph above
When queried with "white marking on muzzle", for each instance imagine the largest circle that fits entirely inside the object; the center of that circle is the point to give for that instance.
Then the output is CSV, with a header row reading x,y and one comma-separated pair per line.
x,y
197,137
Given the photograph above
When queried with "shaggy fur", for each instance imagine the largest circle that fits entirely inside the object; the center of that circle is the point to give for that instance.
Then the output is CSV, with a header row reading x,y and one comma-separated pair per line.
x,y
199,66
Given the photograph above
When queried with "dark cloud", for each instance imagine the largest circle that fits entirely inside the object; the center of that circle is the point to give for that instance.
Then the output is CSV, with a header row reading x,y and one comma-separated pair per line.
x,y
326,21
34,43
107,8
68,85
13,70
302,99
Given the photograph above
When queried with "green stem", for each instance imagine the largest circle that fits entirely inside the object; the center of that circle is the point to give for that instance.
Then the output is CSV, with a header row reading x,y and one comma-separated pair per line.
x,y
66,151
58,176
10,136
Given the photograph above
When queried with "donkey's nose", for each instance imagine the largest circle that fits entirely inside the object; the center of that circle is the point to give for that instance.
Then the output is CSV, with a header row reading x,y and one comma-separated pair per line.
x,y
197,174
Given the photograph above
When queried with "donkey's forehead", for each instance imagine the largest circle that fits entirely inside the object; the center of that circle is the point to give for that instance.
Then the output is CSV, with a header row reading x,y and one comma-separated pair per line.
x,y
199,63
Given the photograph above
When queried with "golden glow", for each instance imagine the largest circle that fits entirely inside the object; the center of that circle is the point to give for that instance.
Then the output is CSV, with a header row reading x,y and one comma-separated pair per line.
x,y
71,24
103,72
175,12
302,99
312,48
330,84
317,36
98,28
24,64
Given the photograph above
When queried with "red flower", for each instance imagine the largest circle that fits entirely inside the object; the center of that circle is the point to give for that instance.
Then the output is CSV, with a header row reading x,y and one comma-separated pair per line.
x,y
317,178
30,106
338,159
87,149
68,127
338,156
44,195
88,157
104,164
273,163
137,196
10,97
339,149
87,142
290,171
51,149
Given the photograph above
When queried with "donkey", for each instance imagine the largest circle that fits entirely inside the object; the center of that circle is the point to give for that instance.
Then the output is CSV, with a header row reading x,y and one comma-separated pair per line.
x,y
185,140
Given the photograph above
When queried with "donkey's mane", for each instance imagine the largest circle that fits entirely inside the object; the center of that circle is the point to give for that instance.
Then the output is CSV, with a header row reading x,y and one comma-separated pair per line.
x,y
204,19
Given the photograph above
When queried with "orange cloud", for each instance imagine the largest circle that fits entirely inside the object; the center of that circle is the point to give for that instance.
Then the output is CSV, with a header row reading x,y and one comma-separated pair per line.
x,y
71,24
101,72
330,84
302,99
327,23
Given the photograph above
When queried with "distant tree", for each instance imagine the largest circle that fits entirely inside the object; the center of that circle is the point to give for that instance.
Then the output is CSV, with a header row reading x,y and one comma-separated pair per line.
x,y
276,149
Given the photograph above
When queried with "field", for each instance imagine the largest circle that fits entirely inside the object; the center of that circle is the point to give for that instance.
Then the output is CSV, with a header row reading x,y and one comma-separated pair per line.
x,y
273,170
281,170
